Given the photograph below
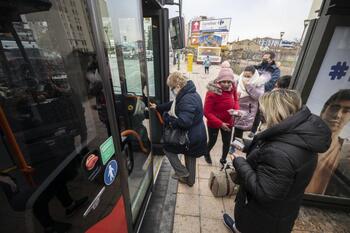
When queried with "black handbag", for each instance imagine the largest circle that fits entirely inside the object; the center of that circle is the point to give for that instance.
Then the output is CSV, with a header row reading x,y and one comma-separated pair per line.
x,y
175,137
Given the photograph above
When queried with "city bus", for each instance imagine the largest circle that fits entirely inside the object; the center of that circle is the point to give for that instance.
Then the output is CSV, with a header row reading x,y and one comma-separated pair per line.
x,y
76,78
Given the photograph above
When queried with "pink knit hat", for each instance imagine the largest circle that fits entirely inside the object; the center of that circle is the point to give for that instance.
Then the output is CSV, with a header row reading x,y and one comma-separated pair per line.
x,y
225,73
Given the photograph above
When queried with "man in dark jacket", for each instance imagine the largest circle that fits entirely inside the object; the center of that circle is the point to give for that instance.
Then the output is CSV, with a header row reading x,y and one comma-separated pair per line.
x,y
188,115
280,163
268,64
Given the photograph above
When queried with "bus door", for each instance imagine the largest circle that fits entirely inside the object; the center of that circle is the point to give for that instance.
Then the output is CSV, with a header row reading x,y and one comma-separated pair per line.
x,y
122,47
59,166
155,23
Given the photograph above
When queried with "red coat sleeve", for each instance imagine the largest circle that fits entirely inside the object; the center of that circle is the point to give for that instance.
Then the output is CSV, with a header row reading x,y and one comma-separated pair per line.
x,y
209,110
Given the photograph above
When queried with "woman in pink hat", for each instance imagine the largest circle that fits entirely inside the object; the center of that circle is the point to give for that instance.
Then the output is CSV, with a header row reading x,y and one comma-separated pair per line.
x,y
220,102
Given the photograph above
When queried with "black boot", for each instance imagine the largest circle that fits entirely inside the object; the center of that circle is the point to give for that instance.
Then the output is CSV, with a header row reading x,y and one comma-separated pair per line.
x,y
223,161
208,159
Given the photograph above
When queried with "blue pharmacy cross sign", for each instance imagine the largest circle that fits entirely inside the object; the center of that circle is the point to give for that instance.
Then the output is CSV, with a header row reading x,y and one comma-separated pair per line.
x,y
110,172
338,70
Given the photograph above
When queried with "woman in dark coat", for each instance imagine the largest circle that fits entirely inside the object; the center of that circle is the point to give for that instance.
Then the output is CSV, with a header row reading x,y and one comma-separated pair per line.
x,y
185,112
279,165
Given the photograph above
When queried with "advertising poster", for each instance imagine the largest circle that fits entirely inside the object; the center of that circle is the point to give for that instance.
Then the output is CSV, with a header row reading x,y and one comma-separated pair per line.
x,y
195,26
210,41
212,52
215,25
330,99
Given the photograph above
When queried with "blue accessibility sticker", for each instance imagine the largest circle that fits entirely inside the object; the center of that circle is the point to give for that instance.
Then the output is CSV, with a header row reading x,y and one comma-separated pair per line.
x,y
110,172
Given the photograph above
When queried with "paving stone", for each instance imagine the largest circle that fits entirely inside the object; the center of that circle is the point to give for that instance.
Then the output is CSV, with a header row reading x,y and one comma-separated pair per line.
x,y
185,189
213,226
187,204
204,189
186,224
211,207
201,161
229,205
204,171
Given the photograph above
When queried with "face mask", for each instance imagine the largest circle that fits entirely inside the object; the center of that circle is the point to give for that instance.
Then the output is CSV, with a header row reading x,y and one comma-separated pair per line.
x,y
264,62
246,79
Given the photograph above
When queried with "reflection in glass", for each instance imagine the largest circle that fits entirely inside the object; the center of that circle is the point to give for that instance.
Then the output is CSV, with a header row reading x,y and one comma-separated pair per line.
x,y
51,97
147,24
126,29
112,56
126,22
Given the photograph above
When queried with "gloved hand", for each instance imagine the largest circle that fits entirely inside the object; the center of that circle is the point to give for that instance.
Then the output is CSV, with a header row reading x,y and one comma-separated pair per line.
x,y
169,120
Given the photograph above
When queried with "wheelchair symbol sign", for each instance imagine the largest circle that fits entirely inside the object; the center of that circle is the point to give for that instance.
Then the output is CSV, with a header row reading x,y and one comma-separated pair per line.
x,y
110,172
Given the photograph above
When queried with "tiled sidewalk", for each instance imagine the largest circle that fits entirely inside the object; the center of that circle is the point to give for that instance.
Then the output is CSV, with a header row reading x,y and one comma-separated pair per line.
x,y
198,211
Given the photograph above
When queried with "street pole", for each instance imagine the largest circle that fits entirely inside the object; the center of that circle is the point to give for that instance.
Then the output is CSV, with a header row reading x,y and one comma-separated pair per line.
x,y
182,30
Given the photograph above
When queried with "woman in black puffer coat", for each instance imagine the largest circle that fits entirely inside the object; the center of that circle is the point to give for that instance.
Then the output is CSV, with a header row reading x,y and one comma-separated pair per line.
x,y
279,165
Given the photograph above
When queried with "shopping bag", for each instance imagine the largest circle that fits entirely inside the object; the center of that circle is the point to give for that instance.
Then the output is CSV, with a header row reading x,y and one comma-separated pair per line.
x,y
221,183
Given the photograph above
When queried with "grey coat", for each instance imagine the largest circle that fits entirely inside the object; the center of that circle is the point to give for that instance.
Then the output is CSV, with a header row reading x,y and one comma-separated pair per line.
x,y
248,106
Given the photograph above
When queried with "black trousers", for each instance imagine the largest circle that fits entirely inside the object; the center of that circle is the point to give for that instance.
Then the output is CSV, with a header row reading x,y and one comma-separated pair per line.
x,y
238,133
206,70
256,122
226,138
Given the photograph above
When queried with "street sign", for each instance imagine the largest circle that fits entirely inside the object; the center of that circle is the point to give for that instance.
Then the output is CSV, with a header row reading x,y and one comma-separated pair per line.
x,y
215,25
110,172
107,150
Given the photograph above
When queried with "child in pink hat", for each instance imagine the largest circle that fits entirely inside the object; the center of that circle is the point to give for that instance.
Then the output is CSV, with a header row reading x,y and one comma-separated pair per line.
x,y
220,100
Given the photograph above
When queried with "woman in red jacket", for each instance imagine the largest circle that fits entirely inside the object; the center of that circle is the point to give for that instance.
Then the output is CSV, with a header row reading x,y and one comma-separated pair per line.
x,y
220,101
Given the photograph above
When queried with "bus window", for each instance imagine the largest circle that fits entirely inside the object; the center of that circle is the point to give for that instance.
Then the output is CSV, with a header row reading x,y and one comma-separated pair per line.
x,y
147,25
52,102
125,22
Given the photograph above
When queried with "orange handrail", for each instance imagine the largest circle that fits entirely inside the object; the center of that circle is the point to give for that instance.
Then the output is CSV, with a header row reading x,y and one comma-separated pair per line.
x,y
160,118
137,136
22,163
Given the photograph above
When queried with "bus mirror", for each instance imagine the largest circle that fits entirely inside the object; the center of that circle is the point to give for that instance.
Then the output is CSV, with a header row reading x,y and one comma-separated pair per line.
x,y
177,32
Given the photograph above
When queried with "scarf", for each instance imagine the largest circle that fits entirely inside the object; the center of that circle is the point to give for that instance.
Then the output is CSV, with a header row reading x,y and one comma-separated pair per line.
x,y
172,109
255,81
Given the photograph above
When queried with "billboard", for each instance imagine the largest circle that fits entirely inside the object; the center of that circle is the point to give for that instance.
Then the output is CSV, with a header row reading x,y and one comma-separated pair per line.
x,y
332,174
224,36
195,26
213,52
194,40
215,25
210,40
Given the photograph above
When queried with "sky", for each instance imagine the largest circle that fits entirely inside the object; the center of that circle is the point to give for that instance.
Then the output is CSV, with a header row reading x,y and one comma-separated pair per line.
x,y
252,18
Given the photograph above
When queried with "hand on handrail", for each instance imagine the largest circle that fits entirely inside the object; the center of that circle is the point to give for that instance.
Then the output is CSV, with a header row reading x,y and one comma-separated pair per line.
x,y
153,106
